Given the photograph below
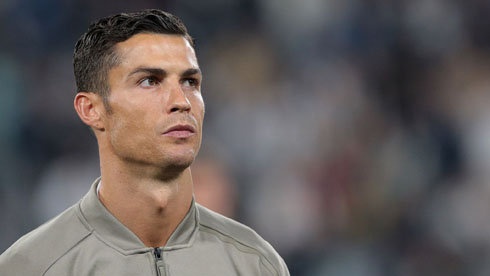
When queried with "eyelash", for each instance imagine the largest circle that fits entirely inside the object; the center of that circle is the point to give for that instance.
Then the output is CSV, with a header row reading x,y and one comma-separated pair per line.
x,y
153,79
192,81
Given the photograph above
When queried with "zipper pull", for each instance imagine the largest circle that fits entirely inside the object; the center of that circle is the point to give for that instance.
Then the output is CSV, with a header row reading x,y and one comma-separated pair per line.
x,y
159,264
158,253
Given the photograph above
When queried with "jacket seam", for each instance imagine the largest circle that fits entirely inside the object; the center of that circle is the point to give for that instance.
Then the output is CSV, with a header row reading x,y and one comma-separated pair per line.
x,y
66,252
257,252
82,218
93,231
99,237
120,250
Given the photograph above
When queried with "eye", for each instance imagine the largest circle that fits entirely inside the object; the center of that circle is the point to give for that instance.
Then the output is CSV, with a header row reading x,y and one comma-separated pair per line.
x,y
190,82
149,82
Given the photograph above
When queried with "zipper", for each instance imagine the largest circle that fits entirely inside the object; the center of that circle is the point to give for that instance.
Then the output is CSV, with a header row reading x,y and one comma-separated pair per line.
x,y
158,253
159,264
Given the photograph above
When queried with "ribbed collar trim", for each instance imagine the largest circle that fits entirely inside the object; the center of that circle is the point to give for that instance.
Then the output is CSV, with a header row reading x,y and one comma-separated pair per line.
x,y
115,234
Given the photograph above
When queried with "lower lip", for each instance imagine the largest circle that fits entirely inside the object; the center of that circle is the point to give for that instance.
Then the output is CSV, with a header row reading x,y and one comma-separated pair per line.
x,y
179,134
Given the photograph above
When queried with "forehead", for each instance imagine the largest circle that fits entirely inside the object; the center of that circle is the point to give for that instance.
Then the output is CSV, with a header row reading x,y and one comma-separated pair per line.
x,y
149,49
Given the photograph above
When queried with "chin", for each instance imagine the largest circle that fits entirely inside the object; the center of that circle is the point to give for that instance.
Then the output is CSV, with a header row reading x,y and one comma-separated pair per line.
x,y
173,168
181,159
182,163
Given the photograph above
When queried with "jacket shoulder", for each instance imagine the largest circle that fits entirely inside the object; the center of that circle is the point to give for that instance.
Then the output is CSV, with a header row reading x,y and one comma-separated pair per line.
x,y
243,237
36,251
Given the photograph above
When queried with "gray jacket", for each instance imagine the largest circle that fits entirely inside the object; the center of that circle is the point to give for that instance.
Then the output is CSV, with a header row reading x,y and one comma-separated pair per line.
x,y
87,240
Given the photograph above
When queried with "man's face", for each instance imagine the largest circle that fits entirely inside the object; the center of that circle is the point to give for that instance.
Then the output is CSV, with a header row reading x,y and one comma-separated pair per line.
x,y
156,102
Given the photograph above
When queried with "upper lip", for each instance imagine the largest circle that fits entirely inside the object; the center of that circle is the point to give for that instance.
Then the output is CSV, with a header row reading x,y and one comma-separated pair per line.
x,y
180,127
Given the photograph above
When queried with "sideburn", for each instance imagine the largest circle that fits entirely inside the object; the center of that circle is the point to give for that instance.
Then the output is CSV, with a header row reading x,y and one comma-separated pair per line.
x,y
107,106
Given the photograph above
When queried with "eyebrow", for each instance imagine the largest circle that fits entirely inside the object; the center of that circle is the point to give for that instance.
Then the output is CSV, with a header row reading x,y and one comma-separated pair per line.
x,y
191,71
162,72
148,70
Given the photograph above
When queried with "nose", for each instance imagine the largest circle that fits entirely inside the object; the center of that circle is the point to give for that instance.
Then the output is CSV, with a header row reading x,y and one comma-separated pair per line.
x,y
178,101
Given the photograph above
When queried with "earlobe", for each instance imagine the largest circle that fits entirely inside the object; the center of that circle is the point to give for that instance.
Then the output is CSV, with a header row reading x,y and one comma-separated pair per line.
x,y
87,107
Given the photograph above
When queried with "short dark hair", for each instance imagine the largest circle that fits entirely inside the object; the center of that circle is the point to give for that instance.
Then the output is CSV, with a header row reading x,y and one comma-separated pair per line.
x,y
95,53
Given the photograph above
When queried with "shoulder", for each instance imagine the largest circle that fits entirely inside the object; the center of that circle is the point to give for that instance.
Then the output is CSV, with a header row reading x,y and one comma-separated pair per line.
x,y
242,237
36,251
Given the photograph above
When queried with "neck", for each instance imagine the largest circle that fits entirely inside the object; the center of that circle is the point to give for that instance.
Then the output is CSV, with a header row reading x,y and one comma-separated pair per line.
x,y
150,206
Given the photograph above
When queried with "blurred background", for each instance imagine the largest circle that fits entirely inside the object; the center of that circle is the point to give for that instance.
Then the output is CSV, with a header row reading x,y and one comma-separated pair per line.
x,y
353,135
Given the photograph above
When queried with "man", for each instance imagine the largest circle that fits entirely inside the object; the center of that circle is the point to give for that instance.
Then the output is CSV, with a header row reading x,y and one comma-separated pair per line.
x,y
139,90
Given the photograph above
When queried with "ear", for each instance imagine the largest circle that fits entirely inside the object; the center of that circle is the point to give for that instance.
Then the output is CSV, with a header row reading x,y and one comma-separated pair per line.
x,y
90,108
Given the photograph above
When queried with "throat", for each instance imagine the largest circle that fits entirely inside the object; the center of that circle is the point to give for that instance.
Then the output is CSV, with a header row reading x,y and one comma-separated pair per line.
x,y
151,209
163,217
163,198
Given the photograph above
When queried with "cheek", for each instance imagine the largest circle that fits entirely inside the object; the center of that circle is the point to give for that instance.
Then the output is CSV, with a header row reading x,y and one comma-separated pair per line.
x,y
198,105
128,126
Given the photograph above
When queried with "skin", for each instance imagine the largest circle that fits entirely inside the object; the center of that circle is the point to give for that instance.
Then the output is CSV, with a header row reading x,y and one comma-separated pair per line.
x,y
146,178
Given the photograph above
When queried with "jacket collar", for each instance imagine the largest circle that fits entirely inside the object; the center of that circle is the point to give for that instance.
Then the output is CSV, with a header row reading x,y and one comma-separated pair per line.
x,y
111,231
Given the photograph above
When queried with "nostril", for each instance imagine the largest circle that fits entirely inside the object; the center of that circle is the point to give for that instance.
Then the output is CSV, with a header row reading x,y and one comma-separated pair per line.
x,y
180,107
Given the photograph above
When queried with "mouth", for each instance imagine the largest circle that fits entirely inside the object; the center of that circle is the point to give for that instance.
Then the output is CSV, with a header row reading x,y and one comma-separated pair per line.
x,y
180,131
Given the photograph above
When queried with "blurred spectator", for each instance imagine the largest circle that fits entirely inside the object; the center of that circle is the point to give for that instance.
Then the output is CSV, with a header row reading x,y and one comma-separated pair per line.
x,y
353,135
213,187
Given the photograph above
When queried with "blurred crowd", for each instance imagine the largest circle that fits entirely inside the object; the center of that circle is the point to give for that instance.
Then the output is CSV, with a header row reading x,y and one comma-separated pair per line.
x,y
353,135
